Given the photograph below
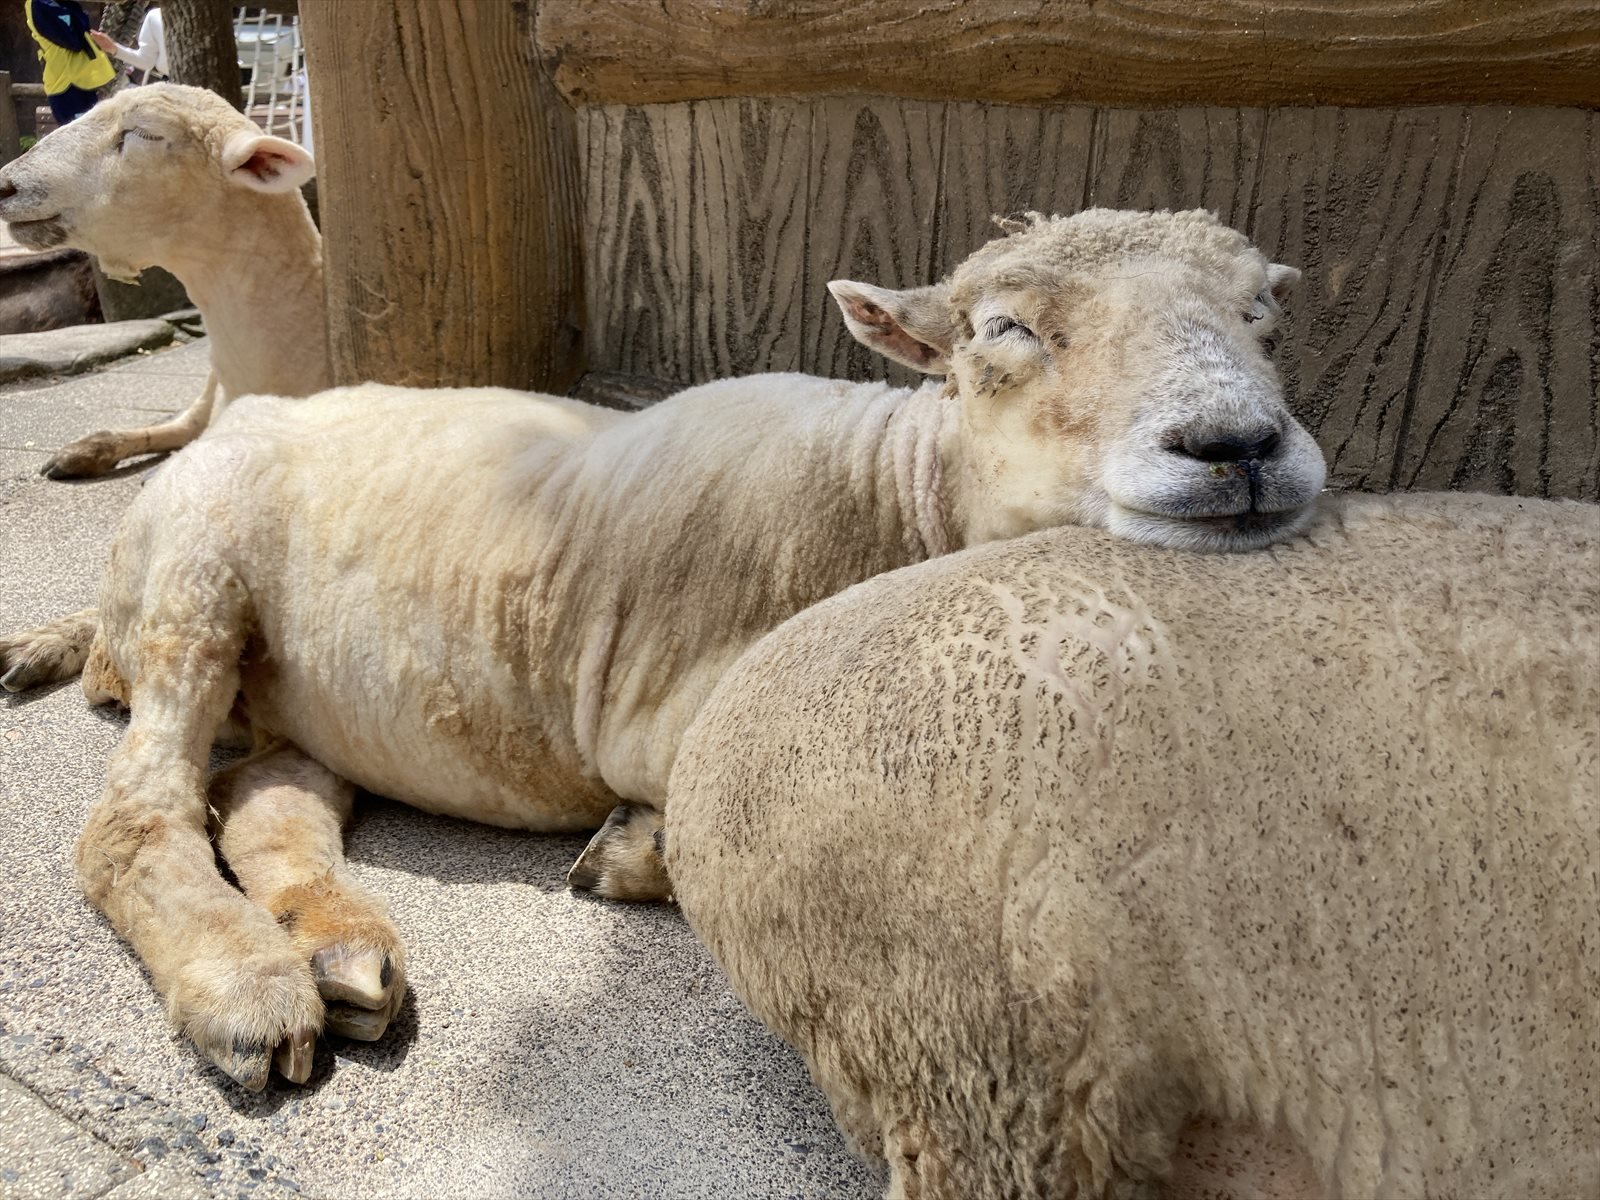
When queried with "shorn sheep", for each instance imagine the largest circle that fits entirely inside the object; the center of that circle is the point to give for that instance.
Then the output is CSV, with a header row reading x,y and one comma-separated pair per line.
x,y
515,609
1068,864
174,177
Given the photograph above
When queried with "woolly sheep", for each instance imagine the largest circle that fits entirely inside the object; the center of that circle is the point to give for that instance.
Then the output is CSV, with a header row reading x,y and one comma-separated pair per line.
x,y
1050,852
517,606
174,177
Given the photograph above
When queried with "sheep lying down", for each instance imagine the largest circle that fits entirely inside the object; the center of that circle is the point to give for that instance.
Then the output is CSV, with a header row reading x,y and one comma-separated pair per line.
x,y
1052,853
514,609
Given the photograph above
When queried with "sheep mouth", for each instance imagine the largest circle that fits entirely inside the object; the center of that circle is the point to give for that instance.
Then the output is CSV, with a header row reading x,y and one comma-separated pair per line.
x,y
45,233
1250,529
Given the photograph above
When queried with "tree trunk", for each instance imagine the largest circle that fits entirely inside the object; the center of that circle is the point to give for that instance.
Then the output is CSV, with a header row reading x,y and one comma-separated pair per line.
x,y
120,20
200,47
447,175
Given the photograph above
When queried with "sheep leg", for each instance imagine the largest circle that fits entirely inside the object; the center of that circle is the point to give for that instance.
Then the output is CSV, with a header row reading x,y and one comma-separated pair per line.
x,y
50,653
279,818
101,452
624,860
234,981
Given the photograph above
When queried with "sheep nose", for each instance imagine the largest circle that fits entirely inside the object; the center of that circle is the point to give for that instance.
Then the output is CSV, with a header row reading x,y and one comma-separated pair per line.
x,y
1232,447
7,189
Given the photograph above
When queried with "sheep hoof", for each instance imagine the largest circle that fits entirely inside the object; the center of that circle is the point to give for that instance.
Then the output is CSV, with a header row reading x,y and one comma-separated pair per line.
x,y
19,678
359,979
92,455
247,1063
31,673
294,1056
624,860
362,1024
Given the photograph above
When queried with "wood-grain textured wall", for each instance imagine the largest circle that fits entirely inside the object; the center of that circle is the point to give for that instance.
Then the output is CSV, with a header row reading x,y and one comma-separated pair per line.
x,y
1445,335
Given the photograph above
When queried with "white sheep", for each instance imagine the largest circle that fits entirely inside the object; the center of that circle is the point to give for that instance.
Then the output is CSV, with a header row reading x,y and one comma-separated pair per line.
x,y
518,605
1068,863
174,177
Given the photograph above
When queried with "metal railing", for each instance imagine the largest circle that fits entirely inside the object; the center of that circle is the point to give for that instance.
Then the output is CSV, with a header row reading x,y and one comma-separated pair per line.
x,y
272,73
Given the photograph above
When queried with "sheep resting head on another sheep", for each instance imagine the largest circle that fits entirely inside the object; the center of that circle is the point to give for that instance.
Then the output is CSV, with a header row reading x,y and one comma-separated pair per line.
x,y
1118,364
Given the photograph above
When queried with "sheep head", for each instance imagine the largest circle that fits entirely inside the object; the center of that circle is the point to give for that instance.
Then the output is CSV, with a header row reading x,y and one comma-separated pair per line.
x,y
143,179
1114,369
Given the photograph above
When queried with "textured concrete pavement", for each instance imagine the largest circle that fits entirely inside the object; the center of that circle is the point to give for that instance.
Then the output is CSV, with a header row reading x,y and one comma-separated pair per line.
x,y
552,1045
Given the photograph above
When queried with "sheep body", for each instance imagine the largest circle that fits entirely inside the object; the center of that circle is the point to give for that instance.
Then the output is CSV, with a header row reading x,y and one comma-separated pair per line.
x,y
568,617
514,610
1042,851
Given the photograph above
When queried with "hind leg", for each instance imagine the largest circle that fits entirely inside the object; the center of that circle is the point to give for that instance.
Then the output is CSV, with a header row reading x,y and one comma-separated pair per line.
x,y
50,653
233,980
623,861
280,818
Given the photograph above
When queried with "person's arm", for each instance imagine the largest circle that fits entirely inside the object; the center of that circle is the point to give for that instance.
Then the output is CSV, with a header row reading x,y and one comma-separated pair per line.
x,y
141,59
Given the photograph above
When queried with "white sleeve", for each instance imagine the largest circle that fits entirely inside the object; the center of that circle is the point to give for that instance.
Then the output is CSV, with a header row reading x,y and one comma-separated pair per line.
x,y
145,56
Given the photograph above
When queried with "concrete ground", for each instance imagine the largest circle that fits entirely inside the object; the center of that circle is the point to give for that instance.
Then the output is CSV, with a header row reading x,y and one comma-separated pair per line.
x,y
552,1045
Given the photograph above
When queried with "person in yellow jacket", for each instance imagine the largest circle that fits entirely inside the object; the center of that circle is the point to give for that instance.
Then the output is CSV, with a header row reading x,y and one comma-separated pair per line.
x,y
74,67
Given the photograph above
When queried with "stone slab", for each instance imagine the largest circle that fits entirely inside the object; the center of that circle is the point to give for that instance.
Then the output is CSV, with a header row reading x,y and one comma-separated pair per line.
x,y
78,348
44,1156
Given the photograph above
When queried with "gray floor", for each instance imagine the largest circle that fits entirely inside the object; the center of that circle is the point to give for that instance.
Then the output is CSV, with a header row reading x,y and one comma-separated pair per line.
x,y
553,1046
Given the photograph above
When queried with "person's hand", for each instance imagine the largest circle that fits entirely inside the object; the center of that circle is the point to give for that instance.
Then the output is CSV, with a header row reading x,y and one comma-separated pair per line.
x,y
104,42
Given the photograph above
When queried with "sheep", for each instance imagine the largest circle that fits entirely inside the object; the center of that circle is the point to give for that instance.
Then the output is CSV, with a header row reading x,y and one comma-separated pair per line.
x,y
513,612
1068,864
173,176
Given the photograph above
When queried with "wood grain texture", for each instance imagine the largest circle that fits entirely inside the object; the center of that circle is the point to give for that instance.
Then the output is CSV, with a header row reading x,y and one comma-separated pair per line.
x,y
1002,159
1444,334
1505,392
1178,158
1353,198
448,190
1134,52
638,196
748,235
872,200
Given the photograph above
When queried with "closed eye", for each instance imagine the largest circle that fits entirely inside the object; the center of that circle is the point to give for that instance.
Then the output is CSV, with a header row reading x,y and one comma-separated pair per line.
x,y
142,135
999,327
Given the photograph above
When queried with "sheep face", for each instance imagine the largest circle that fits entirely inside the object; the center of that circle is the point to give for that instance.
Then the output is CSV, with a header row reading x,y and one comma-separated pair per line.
x,y
1114,369
139,180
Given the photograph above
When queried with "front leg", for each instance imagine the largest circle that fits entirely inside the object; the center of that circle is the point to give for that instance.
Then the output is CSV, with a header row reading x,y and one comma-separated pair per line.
x,y
100,452
233,980
280,817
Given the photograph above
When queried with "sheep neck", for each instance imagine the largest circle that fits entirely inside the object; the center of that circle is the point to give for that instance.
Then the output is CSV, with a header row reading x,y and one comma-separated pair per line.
x,y
918,449
255,273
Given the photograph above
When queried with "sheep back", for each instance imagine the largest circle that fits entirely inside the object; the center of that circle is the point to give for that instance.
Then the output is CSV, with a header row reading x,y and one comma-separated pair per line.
x,y
1038,851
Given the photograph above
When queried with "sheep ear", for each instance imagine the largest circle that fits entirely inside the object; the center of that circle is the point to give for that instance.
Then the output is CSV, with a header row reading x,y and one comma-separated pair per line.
x,y
1282,280
914,327
265,163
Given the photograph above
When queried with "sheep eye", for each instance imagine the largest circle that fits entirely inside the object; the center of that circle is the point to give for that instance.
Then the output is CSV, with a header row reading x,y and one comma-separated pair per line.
x,y
998,327
141,134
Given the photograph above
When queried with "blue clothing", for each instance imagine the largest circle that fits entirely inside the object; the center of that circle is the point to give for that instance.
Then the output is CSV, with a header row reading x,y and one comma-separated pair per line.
x,y
71,104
